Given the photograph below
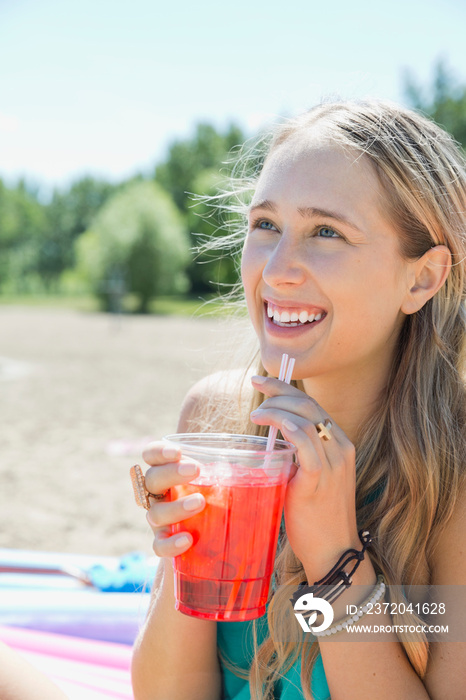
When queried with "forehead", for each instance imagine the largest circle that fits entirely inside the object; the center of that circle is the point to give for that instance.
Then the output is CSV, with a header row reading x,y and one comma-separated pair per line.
x,y
315,167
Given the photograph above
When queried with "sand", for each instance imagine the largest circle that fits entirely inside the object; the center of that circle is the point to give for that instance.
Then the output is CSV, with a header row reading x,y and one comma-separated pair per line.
x,y
81,394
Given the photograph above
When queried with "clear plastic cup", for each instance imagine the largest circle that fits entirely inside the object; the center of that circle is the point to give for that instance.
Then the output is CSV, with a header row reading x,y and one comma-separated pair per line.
x,y
226,573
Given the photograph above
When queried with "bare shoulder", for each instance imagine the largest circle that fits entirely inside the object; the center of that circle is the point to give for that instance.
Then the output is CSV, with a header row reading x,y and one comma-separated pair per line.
x,y
214,398
448,563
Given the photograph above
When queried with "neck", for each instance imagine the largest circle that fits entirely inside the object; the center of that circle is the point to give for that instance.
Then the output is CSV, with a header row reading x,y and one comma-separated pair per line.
x,y
350,399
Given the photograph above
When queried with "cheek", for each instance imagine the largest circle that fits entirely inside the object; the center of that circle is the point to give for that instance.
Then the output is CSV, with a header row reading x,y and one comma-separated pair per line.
x,y
373,303
251,276
251,269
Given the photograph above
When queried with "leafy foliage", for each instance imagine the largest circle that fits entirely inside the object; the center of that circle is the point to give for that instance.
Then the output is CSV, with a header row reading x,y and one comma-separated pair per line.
x,y
196,166
188,158
111,239
22,227
137,243
444,101
69,214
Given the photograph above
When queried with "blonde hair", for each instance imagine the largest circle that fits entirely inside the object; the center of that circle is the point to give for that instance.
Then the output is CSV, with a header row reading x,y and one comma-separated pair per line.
x,y
413,451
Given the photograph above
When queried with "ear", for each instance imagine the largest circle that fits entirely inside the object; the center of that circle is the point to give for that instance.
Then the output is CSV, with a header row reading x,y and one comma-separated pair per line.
x,y
428,274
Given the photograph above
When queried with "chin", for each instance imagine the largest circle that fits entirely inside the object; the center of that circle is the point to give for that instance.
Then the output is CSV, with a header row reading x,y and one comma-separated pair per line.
x,y
271,361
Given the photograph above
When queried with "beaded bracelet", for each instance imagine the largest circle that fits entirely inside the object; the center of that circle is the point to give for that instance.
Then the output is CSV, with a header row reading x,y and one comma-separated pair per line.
x,y
377,592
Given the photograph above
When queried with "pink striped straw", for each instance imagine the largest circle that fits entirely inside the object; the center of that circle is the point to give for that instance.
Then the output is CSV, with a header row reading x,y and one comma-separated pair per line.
x,y
286,370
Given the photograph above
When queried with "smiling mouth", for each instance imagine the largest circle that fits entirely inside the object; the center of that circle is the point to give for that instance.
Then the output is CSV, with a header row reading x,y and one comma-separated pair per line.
x,y
291,318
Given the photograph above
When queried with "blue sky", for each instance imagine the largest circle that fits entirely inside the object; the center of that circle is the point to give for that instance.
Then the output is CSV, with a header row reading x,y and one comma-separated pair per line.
x,y
103,86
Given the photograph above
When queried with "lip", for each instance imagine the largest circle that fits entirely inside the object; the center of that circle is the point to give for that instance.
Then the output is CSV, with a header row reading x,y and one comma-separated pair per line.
x,y
285,305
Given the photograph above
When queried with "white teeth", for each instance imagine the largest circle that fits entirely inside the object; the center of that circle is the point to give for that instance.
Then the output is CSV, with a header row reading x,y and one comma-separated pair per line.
x,y
303,316
291,317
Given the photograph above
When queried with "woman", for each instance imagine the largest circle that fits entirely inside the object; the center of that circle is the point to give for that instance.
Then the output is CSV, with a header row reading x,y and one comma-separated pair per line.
x,y
354,264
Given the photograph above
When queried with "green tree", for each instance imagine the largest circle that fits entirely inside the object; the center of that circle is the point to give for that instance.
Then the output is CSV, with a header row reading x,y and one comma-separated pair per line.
x,y
444,100
22,226
187,158
195,166
69,214
137,242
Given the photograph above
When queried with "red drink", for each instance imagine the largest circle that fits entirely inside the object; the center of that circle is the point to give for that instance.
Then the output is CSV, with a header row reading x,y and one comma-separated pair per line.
x,y
226,573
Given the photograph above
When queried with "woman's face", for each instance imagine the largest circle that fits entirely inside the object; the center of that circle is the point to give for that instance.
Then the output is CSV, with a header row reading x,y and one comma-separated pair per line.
x,y
322,273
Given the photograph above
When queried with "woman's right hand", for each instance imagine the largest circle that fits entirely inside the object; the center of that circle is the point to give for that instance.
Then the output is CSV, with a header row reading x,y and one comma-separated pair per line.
x,y
169,469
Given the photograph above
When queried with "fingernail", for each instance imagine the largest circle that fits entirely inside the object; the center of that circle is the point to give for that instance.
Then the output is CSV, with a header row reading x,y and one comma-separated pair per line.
x,y
193,502
257,379
187,469
288,425
256,412
170,452
181,541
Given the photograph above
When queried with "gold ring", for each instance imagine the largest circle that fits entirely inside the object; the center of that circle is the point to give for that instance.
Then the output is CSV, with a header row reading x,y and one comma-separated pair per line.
x,y
141,494
323,429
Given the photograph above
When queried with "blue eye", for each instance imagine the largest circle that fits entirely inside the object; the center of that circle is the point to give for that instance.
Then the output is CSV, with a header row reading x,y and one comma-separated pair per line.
x,y
264,225
327,232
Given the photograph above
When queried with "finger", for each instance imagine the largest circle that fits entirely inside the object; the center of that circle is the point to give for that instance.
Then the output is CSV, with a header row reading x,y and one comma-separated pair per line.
x,y
338,454
309,474
163,513
160,452
301,407
283,420
339,450
274,387
294,428
293,469
288,397
316,466
167,545
161,478
296,404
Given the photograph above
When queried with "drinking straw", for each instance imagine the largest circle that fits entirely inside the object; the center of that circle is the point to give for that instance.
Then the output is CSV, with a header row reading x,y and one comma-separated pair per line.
x,y
273,431
286,371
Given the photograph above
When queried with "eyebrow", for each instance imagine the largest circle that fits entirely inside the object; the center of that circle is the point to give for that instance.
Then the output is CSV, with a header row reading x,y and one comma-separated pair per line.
x,y
306,213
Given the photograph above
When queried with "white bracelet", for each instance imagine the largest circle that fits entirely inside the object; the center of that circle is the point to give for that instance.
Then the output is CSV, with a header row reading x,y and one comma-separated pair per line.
x,y
377,592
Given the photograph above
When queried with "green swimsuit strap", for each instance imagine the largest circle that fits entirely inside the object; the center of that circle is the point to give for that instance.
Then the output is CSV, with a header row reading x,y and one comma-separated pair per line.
x,y
235,643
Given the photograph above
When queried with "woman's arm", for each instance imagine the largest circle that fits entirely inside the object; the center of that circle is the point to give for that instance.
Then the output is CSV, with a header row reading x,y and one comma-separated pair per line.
x,y
175,656
380,669
321,524
364,670
19,680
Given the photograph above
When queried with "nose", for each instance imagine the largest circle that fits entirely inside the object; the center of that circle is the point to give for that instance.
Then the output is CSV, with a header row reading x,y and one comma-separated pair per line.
x,y
284,265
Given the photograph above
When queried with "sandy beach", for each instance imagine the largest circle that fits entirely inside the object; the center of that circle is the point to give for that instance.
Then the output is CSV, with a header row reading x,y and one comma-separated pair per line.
x,y
81,394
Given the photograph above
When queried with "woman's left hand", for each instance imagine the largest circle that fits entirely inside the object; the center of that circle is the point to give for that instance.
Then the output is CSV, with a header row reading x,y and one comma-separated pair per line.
x,y
320,508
